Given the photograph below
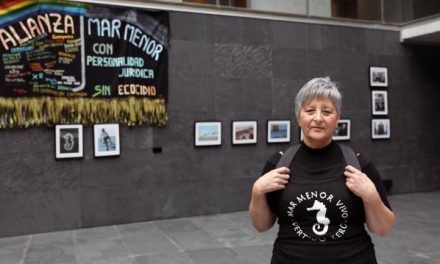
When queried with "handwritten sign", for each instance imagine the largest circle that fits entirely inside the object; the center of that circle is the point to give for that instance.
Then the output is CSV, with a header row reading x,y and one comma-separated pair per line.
x,y
91,55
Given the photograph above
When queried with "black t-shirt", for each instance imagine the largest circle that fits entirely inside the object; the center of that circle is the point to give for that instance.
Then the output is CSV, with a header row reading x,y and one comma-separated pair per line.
x,y
320,220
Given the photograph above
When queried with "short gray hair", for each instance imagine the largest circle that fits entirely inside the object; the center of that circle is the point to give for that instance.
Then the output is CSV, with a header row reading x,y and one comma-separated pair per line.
x,y
318,88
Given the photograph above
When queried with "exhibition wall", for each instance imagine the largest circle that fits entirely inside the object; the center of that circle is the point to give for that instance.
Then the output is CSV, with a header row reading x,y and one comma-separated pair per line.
x,y
224,68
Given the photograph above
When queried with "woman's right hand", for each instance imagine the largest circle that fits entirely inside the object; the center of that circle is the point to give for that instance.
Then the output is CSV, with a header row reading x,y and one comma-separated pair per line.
x,y
272,181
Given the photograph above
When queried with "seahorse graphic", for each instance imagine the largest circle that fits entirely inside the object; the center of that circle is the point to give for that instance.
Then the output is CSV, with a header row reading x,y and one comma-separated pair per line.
x,y
69,141
320,218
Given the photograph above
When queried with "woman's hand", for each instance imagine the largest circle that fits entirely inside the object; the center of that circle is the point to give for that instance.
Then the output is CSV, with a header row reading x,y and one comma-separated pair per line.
x,y
272,181
380,219
261,216
359,183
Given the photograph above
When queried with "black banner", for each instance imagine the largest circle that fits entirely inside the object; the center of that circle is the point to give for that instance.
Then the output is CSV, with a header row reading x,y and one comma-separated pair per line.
x,y
60,49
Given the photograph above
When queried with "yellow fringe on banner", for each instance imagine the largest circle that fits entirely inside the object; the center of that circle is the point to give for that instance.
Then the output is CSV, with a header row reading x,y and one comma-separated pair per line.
x,y
37,111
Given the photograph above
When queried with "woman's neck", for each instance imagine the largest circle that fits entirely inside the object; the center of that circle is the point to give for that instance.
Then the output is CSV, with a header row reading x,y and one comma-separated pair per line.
x,y
317,144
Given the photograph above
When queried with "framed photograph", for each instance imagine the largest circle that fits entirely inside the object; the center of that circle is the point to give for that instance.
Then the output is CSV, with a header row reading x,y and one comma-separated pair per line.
x,y
244,132
278,131
68,141
106,138
342,131
380,128
379,102
207,134
378,77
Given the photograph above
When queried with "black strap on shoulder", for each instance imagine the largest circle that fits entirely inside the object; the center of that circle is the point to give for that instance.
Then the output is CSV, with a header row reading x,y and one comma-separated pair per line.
x,y
288,156
350,157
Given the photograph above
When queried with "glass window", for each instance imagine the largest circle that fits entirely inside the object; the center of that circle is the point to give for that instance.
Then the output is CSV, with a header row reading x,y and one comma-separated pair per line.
x,y
233,3
344,8
373,10
425,8
357,9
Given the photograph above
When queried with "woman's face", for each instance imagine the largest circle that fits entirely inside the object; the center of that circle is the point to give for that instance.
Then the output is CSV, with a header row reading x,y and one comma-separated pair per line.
x,y
318,119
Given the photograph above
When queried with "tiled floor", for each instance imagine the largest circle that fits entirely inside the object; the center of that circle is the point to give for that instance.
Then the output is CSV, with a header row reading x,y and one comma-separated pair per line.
x,y
225,238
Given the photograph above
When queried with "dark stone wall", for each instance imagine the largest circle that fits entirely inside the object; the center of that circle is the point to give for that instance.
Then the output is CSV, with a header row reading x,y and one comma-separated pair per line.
x,y
226,68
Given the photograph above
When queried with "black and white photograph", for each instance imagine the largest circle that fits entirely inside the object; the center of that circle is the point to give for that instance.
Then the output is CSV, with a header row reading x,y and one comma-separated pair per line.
x,y
244,132
278,131
207,134
342,130
68,141
106,138
378,77
380,129
379,102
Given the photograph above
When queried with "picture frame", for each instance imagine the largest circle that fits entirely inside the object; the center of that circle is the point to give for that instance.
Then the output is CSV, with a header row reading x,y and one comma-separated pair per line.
x,y
68,141
244,132
207,133
343,130
378,76
106,140
379,102
380,128
278,131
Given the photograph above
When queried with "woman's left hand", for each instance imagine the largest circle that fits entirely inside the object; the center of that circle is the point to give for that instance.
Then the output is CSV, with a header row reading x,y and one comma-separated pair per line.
x,y
380,219
359,183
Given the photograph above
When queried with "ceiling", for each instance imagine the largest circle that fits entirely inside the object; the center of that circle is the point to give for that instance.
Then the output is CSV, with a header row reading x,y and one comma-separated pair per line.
x,y
424,31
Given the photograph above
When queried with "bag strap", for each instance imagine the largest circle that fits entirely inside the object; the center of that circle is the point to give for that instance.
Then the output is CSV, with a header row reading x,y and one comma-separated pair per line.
x,y
288,156
349,156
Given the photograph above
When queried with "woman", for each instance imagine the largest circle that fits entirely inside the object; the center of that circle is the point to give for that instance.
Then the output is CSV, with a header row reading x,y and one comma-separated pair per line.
x,y
321,203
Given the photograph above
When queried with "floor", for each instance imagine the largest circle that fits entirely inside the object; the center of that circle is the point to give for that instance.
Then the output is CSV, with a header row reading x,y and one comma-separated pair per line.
x,y
214,239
